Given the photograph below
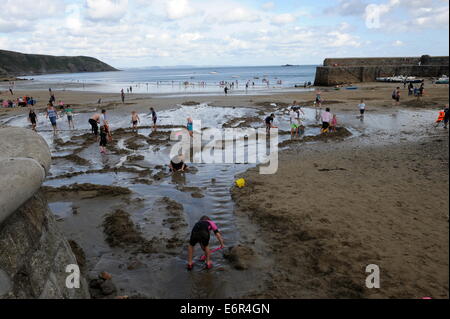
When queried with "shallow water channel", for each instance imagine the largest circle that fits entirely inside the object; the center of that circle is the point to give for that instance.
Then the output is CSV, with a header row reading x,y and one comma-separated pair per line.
x,y
139,163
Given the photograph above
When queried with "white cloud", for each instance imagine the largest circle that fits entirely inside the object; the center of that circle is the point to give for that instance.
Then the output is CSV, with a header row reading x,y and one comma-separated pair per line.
x,y
234,15
338,39
178,9
284,18
268,6
12,18
110,10
161,32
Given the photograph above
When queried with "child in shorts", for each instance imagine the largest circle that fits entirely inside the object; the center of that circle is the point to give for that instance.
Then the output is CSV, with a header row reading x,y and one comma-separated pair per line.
x,y
200,235
135,120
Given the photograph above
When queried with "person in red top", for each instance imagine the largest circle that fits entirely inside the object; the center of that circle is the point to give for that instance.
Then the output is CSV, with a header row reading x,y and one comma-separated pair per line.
x,y
200,234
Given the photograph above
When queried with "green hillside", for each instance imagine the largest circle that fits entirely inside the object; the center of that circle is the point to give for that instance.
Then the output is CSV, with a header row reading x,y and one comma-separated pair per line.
x,y
18,64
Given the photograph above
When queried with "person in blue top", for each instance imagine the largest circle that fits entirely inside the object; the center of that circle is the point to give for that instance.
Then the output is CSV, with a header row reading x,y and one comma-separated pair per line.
x,y
190,126
52,115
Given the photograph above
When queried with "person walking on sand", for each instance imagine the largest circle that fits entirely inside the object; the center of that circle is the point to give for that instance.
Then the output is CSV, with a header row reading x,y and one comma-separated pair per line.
x,y
94,121
154,118
122,96
135,120
396,96
201,235
326,119
410,89
69,112
362,109
32,117
319,98
52,115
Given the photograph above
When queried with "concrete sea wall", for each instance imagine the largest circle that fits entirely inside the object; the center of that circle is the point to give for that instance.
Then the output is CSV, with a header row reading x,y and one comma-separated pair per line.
x,y
356,70
34,253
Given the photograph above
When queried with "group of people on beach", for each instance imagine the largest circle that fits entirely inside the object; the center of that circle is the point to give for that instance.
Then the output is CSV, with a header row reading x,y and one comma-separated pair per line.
x,y
416,91
52,114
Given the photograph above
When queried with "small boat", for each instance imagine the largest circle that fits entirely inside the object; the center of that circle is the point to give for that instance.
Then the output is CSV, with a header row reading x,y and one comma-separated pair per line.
x,y
351,88
399,79
442,80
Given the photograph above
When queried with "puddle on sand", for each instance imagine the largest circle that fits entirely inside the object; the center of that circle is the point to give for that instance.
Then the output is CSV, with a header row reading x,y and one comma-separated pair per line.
x,y
202,192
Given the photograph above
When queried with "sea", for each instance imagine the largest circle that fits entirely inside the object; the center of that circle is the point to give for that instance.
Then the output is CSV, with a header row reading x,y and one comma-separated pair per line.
x,y
181,80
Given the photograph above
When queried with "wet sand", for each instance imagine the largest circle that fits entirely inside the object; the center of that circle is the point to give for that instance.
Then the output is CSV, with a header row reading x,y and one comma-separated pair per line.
x,y
375,193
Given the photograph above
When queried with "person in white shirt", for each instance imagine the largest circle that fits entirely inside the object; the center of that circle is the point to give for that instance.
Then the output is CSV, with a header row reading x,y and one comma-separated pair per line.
x,y
362,108
326,119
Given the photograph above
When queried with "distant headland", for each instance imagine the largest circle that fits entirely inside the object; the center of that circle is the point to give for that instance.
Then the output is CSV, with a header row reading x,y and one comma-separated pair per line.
x,y
14,64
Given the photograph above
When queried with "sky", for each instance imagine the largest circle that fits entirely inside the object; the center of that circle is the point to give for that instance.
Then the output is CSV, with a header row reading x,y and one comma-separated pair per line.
x,y
140,33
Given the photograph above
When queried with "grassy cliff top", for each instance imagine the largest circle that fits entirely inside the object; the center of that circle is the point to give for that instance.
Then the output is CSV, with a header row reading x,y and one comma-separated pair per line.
x,y
19,64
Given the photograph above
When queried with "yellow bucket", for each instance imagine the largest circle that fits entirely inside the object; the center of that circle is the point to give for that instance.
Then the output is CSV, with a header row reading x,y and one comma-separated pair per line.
x,y
240,183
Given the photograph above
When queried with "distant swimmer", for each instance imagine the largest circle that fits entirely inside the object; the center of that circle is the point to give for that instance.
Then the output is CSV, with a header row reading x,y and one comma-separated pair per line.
x,y
201,235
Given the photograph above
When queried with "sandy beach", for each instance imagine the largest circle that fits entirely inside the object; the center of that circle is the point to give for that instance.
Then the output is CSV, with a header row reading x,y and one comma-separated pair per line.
x,y
334,206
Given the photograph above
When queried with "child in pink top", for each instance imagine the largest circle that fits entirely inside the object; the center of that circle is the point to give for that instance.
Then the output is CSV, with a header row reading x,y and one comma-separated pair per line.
x,y
200,234
333,123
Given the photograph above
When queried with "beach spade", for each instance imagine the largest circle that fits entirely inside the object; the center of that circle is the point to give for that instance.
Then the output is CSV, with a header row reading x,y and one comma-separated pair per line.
x,y
203,258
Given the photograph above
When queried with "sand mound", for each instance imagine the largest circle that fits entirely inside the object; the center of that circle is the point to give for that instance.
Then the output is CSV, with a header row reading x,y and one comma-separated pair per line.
x,y
86,190
239,256
341,133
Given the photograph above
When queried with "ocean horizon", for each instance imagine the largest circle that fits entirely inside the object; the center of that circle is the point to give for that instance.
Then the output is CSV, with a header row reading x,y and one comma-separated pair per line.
x,y
183,79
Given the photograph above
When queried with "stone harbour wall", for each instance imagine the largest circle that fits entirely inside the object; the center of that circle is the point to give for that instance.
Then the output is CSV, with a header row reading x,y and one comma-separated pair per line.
x,y
34,253
345,71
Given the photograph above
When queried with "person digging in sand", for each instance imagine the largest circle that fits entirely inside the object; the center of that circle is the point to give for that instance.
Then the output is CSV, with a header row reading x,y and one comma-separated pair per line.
x,y
201,234
269,123
177,164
